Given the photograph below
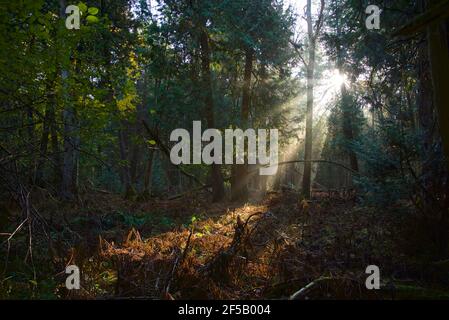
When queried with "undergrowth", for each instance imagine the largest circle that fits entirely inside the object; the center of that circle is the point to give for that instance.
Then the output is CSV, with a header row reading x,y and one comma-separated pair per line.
x,y
191,249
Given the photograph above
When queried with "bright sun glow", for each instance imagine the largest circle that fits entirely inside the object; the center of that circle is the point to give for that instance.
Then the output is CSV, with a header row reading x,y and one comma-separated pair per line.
x,y
339,79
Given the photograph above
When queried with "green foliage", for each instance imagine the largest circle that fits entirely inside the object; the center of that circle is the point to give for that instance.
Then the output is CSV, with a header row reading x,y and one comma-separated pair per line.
x,y
388,103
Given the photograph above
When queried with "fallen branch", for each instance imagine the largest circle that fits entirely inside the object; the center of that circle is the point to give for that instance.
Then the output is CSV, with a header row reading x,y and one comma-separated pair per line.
x,y
253,172
312,161
302,292
178,262
14,233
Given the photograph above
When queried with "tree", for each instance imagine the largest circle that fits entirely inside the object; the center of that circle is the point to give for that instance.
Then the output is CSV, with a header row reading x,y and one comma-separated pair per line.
x,y
434,22
313,33
216,174
259,32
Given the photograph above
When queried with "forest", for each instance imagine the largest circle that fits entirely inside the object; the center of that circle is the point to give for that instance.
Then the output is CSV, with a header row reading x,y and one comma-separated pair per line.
x,y
224,149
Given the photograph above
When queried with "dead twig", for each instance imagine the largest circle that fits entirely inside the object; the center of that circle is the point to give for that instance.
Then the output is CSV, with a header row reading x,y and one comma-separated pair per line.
x,y
303,291
178,262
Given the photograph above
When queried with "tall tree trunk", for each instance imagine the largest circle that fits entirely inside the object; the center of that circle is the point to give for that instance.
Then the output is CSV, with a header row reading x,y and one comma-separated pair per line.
x,y
439,61
45,137
76,135
433,99
56,154
148,175
348,127
307,176
38,174
123,148
123,124
347,108
216,174
438,176
67,190
239,182
137,147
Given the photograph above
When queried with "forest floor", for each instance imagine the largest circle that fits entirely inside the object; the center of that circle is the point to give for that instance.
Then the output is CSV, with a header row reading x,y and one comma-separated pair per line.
x,y
192,249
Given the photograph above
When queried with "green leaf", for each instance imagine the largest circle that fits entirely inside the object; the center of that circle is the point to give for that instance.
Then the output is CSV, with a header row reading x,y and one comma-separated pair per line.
x,y
152,142
152,111
93,11
82,6
92,19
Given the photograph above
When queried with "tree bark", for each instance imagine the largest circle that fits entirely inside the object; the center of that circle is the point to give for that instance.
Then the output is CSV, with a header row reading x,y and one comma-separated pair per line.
x,y
307,176
216,174
56,156
348,128
148,175
239,184
137,147
67,190
439,61
347,109
123,147
43,148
